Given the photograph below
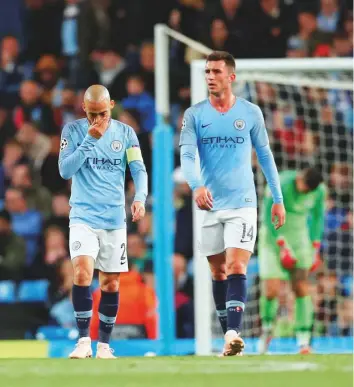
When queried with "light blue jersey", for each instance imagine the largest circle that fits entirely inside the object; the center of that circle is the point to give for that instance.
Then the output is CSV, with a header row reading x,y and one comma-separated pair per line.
x,y
97,169
224,142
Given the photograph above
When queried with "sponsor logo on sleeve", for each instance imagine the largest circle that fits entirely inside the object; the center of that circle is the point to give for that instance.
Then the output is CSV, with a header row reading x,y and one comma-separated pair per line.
x,y
63,143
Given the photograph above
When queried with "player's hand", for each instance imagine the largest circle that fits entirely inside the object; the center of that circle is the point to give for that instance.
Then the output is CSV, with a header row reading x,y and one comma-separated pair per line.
x,y
278,215
287,258
98,128
203,198
138,210
317,262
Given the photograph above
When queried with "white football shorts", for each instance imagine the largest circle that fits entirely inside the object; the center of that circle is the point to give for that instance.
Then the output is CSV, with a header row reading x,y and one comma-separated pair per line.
x,y
223,229
107,247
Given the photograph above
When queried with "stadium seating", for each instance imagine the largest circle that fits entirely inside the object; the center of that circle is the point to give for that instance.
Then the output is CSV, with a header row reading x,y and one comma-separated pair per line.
x,y
7,292
33,291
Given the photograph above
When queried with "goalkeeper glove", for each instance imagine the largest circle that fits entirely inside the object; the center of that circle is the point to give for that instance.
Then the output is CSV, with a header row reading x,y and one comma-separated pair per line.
x,y
317,259
286,257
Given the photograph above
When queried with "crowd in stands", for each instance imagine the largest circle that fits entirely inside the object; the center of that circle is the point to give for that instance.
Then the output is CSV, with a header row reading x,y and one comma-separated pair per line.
x,y
52,50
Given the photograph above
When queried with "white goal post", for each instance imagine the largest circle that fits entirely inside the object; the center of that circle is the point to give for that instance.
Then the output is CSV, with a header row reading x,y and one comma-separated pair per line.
x,y
289,72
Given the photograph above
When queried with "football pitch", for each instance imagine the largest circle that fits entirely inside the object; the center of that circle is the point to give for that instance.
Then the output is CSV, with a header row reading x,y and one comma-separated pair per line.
x,y
250,371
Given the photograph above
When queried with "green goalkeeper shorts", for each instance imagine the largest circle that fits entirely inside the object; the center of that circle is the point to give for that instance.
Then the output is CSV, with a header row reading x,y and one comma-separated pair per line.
x,y
270,266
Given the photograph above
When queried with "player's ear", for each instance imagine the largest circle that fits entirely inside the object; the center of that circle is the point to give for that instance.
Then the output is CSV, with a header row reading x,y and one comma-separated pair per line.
x,y
232,77
83,106
112,104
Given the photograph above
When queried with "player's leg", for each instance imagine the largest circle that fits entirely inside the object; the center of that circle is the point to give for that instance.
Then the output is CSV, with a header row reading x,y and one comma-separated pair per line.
x,y
268,306
236,268
218,274
240,230
83,250
271,273
212,246
107,311
304,310
111,261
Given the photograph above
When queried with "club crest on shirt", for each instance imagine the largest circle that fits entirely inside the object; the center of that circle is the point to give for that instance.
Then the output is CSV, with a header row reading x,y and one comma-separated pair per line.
x,y
116,146
184,123
76,245
63,143
239,124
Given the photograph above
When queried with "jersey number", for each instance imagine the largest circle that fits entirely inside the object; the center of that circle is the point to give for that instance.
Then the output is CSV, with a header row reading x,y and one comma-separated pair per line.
x,y
247,235
123,258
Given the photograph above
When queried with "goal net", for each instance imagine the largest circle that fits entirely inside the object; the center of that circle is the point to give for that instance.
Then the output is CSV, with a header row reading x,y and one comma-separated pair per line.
x,y
308,109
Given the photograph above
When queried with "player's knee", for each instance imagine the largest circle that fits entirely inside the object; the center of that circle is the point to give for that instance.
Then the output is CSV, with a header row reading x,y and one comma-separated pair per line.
x,y
218,272
236,267
301,288
82,276
271,292
110,285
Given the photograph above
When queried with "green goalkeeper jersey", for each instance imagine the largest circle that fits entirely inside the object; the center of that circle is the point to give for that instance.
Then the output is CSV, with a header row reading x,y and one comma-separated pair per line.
x,y
303,210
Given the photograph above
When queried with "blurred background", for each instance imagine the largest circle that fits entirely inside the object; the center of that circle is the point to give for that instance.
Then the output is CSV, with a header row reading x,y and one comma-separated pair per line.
x,y
52,50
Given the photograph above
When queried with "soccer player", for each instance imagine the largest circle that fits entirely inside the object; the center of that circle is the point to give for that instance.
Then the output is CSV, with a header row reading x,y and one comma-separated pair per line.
x,y
288,254
94,152
224,128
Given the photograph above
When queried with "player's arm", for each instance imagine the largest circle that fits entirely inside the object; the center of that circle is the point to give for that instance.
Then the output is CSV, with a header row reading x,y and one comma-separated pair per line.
x,y
139,175
189,145
265,157
318,216
71,158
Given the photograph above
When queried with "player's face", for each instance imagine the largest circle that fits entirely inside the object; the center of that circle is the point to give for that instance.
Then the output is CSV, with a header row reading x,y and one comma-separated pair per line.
x,y
98,111
219,77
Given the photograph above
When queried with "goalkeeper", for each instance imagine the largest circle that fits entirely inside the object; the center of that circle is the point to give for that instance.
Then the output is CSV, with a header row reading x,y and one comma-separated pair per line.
x,y
290,252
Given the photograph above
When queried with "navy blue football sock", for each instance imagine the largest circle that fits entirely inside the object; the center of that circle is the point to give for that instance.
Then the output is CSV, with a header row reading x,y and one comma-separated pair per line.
x,y
82,302
235,300
219,293
107,312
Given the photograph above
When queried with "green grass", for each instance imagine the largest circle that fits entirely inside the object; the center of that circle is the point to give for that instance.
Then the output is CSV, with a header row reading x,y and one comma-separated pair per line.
x,y
250,371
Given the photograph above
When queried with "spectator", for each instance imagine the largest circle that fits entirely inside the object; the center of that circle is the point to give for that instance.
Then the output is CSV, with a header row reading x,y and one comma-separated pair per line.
x,y
183,281
60,213
220,39
95,28
47,74
183,298
11,74
184,215
232,13
329,16
7,129
69,39
112,71
12,250
147,66
140,100
42,21
308,38
342,46
268,36
26,223
13,155
137,252
36,144
51,178
32,109
57,262
66,112
37,197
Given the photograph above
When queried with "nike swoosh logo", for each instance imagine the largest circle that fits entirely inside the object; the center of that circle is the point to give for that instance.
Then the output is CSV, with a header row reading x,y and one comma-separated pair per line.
x,y
204,126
